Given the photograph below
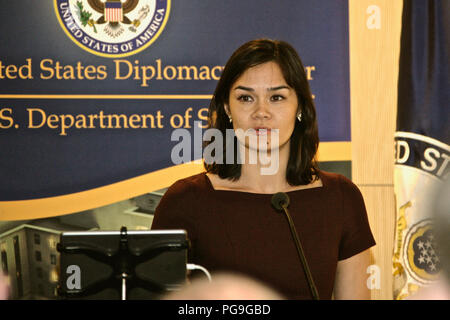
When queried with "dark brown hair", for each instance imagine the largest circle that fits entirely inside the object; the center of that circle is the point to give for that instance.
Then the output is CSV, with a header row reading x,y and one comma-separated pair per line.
x,y
302,165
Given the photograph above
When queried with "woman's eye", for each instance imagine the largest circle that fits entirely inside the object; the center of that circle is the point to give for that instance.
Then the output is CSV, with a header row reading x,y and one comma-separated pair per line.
x,y
277,98
245,98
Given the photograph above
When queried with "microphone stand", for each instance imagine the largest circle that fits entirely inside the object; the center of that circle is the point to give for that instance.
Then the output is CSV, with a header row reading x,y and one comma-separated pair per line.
x,y
284,204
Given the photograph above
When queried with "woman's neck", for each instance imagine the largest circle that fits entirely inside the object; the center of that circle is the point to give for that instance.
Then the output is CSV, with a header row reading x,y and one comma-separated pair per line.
x,y
266,177
251,179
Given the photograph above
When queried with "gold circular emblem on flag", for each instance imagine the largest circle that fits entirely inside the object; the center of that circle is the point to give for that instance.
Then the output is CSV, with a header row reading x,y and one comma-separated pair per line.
x,y
422,261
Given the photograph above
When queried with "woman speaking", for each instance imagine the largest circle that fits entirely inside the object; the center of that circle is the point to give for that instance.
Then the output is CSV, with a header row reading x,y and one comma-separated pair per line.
x,y
227,210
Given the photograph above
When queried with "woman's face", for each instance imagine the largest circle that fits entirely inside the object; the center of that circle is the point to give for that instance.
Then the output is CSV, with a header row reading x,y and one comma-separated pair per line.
x,y
260,99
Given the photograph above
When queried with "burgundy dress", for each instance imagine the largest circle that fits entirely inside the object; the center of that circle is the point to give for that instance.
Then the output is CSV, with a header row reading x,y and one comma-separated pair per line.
x,y
241,232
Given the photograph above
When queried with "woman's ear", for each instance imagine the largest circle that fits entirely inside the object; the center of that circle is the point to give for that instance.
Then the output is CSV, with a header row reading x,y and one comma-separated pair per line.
x,y
227,110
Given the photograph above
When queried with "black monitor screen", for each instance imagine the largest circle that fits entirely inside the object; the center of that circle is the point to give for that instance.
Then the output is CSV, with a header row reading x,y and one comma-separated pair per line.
x,y
121,264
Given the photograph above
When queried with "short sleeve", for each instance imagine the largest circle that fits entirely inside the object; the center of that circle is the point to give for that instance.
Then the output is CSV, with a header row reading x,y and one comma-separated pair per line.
x,y
356,233
175,211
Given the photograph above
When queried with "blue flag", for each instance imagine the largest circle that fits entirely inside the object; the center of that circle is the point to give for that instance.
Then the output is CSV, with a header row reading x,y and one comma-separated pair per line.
x,y
422,139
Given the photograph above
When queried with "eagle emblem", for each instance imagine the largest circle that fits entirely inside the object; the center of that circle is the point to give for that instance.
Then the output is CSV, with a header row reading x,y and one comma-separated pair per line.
x,y
113,28
113,13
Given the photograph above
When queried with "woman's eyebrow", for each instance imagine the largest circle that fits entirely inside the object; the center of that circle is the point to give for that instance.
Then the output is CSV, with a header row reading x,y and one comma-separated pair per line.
x,y
278,88
268,89
244,88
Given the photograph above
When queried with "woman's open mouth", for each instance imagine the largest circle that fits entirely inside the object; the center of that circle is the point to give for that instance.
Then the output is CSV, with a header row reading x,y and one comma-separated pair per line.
x,y
262,131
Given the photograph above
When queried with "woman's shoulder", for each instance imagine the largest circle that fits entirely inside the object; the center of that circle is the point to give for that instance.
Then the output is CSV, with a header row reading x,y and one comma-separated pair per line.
x,y
189,186
338,181
180,200
178,208
332,177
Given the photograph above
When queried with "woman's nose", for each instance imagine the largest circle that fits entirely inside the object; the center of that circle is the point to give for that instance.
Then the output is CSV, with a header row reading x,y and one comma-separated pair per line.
x,y
262,110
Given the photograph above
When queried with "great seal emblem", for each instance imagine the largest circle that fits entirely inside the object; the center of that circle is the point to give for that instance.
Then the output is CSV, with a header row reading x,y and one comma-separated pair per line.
x,y
422,260
113,28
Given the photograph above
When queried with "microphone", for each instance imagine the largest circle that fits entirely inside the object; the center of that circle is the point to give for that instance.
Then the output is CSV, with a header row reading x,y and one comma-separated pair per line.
x,y
280,201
